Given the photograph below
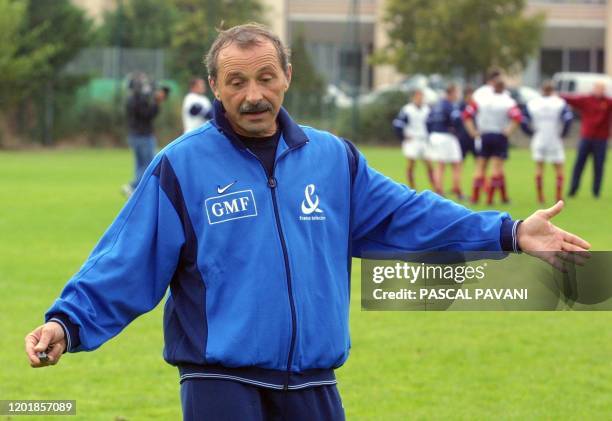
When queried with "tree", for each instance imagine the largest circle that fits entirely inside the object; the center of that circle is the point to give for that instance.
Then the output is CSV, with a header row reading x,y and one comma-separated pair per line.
x,y
20,58
307,85
442,36
62,25
63,29
139,24
186,28
305,79
197,28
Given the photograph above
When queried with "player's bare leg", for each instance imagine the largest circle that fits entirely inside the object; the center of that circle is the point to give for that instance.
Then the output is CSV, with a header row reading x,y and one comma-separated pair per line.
x,y
457,169
410,172
479,178
539,181
430,173
439,178
560,170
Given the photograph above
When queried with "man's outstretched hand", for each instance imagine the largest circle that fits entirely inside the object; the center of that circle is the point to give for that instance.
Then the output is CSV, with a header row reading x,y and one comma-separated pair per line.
x,y
541,238
47,338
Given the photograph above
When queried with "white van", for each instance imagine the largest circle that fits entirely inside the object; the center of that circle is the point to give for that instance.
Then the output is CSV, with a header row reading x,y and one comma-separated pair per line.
x,y
580,83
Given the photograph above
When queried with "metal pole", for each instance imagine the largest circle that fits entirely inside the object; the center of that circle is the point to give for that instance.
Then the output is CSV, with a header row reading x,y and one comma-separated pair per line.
x,y
47,135
117,68
355,48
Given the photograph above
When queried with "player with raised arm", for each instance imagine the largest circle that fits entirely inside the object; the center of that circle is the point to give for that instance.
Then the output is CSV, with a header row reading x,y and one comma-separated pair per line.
x,y
596,115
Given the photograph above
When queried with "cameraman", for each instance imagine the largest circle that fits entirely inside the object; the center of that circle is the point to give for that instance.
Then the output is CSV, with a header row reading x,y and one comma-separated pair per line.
x,y
142,108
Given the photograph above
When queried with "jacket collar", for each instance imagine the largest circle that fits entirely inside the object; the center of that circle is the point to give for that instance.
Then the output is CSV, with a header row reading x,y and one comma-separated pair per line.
x,y
292,133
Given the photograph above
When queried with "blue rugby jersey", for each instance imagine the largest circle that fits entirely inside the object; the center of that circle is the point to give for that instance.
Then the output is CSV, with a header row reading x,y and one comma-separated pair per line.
x,y
445,117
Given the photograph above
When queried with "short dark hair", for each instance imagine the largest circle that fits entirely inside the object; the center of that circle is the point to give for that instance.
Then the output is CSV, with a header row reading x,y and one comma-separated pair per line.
x,y
245,36
548,87
493,73
499,86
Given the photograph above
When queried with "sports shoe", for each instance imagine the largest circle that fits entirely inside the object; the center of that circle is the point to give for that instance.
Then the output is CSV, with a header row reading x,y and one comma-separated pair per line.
x,y
127,190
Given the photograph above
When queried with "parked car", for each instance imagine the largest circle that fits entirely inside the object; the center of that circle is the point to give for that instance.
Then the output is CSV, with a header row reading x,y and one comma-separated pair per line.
x,y
335,95
580,83
406,86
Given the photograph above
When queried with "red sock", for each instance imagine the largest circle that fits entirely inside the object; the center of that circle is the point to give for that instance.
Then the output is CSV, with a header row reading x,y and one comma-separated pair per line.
x,y
457,191
502,187
410,176
539,188
559,187
493,185
476,186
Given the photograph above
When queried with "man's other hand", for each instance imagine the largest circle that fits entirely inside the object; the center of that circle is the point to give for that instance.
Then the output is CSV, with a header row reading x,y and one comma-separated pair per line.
x,y
541,238
48,338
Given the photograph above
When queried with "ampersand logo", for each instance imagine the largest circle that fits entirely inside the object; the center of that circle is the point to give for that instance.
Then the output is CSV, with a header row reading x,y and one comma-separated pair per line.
x,y
310,206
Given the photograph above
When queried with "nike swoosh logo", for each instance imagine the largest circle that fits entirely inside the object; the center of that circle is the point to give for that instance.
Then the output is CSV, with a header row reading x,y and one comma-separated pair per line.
x,y
222,190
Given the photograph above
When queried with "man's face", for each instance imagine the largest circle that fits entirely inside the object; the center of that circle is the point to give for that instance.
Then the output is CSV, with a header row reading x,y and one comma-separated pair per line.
x,y
500,86
417,98
493,81
251,85
599,89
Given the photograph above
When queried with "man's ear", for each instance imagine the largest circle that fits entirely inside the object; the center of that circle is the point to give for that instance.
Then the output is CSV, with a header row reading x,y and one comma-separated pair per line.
x,y
213,87
288,75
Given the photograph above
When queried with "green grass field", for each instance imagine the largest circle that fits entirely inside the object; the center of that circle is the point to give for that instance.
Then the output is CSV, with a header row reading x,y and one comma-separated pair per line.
x,y
403,365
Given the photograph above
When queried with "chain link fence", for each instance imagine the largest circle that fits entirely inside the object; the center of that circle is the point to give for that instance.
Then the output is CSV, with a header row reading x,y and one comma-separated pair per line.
x,y
95,113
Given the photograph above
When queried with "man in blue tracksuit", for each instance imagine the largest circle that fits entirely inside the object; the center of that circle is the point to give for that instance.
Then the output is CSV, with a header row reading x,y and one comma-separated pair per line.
x,y
251,221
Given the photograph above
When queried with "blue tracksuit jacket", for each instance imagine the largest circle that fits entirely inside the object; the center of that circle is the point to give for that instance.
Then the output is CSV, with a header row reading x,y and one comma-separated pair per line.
x,y
258,268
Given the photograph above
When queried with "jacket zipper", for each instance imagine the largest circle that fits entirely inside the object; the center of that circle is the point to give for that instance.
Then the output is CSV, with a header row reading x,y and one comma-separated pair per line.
x,y
272,185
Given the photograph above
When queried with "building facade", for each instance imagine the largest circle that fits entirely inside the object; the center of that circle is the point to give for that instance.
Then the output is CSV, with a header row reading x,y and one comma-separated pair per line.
x,y
577,37
342,34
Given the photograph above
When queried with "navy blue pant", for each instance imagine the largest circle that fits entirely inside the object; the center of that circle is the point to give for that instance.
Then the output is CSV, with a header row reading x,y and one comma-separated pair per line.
x,y
494,145
467,146
587,147
220,400
144,152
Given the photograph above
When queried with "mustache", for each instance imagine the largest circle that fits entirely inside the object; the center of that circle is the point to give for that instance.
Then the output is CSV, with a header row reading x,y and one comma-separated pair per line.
x,y
257,107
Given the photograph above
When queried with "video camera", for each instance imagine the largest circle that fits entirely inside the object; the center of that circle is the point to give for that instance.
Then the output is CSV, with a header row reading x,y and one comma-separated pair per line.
x,y
139,84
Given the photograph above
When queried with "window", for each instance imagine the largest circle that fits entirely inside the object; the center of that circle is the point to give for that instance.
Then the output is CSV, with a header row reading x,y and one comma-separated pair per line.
x,y
551,62
350,66
600,61
579,61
